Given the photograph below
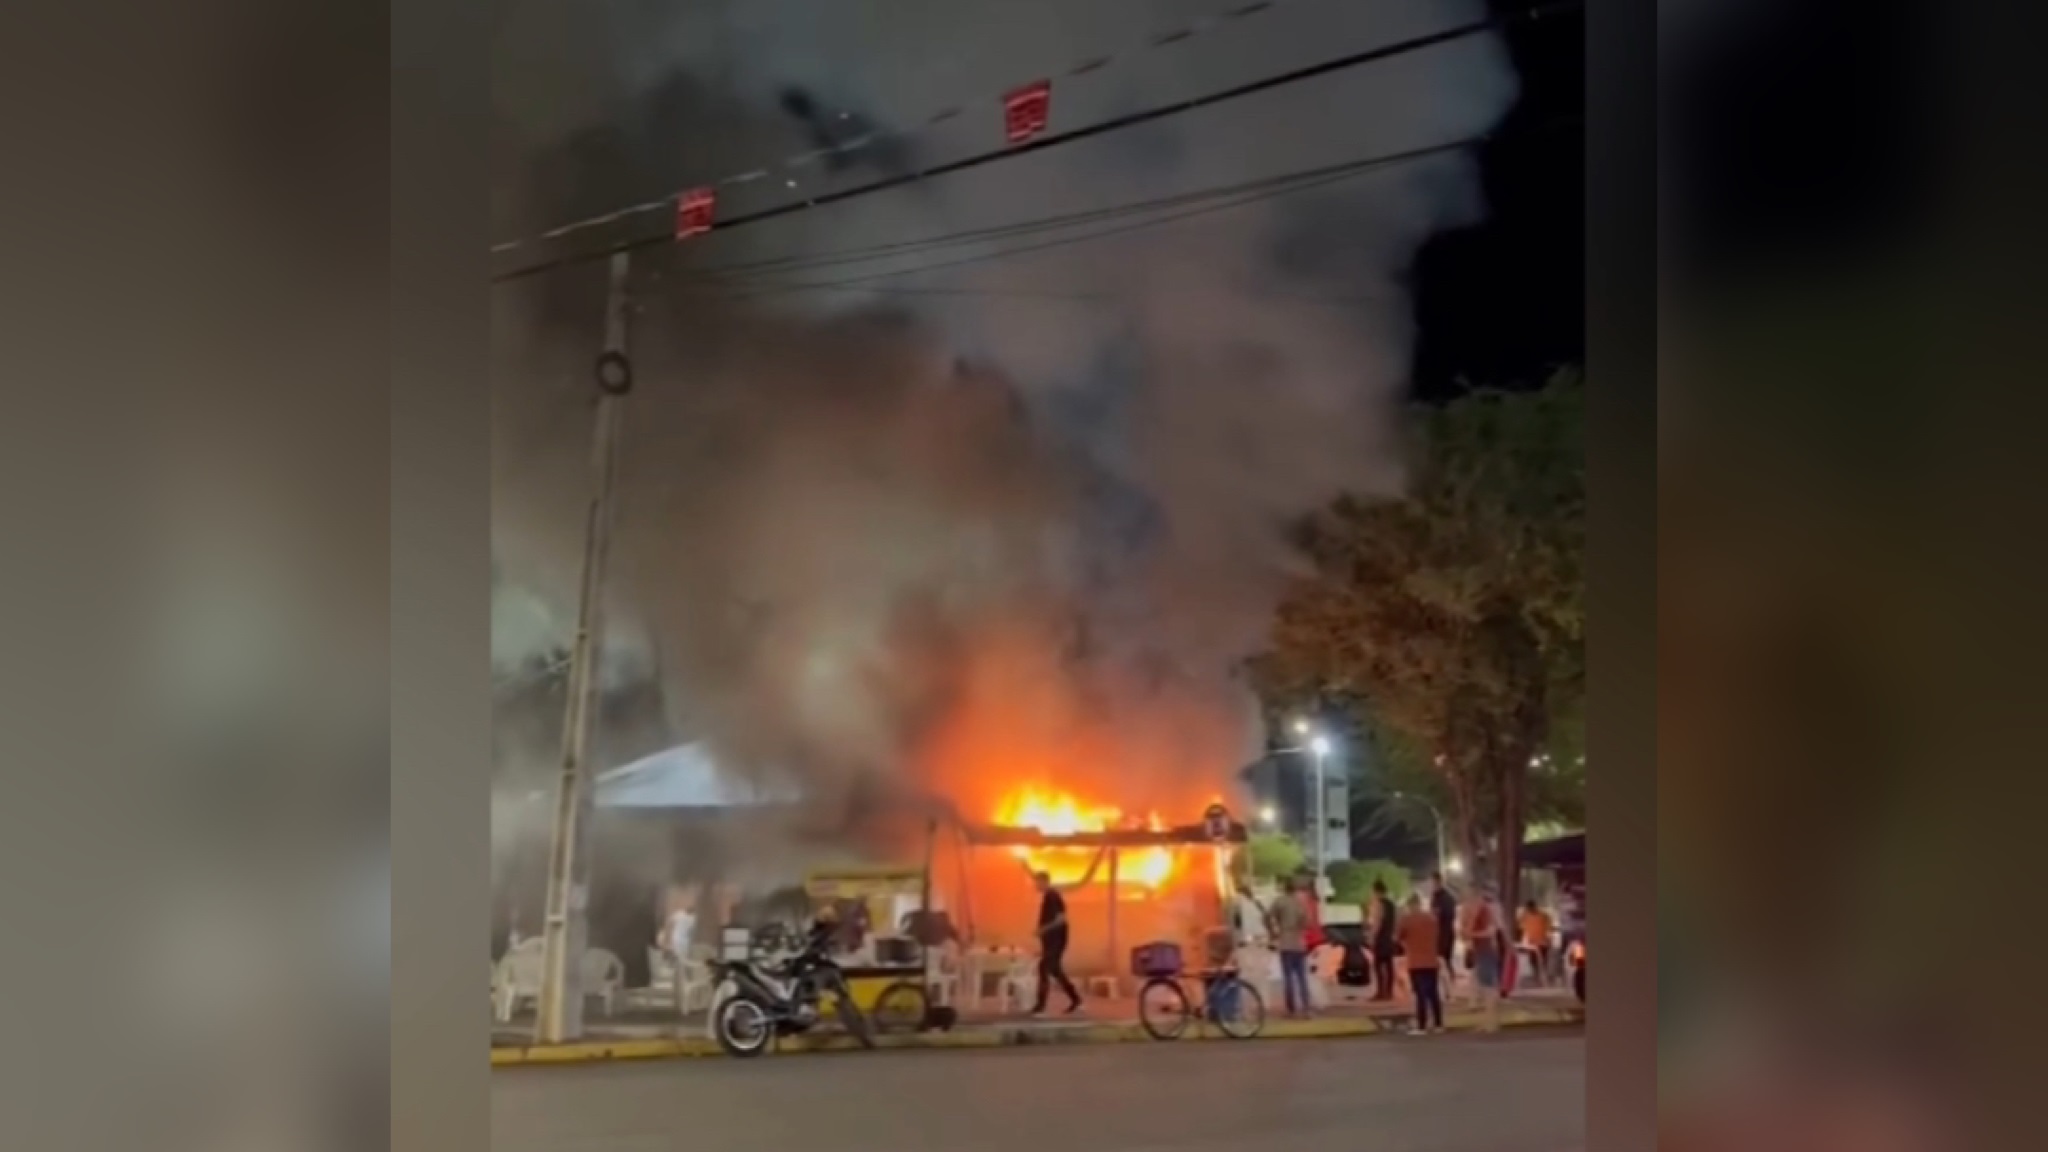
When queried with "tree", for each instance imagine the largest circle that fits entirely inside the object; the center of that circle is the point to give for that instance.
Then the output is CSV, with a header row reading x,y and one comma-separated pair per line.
x,y
1351,881
1273,855
1452,617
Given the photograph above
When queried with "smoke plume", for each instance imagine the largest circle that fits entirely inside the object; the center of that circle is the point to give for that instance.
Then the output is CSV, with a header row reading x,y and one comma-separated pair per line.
x,y
1023,517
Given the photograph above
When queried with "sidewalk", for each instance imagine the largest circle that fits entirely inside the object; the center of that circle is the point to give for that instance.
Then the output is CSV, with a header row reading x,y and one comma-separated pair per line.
x,y
652,1036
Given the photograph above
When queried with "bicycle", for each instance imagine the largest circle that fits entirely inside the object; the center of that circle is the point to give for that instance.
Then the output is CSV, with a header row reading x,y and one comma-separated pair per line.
x,y
1227,1000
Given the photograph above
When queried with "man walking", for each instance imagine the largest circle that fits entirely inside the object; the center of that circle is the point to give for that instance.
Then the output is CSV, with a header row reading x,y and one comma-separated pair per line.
x,y
1052,940
1288,922
1417,935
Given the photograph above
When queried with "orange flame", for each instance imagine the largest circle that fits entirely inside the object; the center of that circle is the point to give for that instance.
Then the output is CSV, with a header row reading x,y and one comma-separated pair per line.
x,y
1060,814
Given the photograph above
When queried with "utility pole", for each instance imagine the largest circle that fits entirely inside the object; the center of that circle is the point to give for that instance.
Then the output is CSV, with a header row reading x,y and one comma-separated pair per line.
x,y
561,996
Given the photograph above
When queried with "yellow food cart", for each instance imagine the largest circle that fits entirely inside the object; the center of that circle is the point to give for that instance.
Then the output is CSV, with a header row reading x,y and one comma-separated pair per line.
x,y
887,896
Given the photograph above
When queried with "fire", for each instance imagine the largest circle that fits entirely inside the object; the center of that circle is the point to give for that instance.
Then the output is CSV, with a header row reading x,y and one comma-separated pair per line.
x,y
1060,814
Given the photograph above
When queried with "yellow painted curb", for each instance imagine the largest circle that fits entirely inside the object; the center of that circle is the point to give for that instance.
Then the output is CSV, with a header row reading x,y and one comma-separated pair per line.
x,y
1001,1037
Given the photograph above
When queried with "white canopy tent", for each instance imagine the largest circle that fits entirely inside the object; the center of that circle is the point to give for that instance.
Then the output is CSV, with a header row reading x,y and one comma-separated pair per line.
x,y
682,777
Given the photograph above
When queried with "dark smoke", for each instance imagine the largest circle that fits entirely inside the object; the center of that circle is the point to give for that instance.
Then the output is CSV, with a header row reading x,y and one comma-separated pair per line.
x,y
1033,522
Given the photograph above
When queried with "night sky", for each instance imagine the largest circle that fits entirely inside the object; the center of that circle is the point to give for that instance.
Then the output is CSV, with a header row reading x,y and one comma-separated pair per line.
x,y
1502,303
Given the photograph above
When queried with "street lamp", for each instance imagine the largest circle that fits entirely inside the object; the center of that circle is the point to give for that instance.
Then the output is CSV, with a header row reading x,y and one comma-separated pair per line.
x,y
1267,815
1317,746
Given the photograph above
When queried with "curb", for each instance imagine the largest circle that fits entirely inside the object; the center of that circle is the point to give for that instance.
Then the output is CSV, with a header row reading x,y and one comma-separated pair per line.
x,y
606,1051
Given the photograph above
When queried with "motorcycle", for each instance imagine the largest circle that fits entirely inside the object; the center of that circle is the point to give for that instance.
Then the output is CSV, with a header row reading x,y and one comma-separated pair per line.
x,y
758,1001
1575,957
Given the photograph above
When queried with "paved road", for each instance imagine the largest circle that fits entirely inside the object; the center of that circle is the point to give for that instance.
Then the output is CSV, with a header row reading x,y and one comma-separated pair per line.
x,y
1444,1094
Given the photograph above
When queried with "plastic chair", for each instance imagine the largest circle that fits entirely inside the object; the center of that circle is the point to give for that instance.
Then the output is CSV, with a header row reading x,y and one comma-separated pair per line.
x,y
604,976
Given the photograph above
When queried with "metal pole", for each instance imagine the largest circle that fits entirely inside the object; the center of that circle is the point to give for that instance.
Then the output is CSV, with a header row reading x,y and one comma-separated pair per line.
x,y
1322,823
1113,879
560,1015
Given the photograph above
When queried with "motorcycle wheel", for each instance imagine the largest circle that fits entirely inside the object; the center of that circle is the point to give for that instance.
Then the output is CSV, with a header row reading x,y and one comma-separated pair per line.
x,y
744,1026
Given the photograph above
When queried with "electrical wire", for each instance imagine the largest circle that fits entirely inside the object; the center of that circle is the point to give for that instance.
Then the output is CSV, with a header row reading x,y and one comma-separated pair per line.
x,y
1061,139
1273,187
867,140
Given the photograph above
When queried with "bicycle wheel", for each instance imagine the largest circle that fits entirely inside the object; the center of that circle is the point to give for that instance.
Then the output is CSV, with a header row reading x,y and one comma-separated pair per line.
x,y
1236,1007
1163,1008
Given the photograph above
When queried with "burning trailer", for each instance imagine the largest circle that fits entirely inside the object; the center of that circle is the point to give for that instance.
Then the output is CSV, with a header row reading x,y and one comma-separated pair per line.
x,y
1150,882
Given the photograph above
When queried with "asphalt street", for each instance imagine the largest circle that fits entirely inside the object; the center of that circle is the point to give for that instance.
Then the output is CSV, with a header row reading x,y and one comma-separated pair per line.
x,y
1524,1092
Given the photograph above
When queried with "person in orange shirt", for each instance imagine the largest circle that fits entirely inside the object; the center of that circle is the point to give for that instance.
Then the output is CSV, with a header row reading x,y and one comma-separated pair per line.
x,y
1416,932
1535,925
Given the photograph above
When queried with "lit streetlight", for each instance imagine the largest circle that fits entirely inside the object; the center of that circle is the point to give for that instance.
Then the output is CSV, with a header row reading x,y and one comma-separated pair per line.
x,y
1267,815
1317,746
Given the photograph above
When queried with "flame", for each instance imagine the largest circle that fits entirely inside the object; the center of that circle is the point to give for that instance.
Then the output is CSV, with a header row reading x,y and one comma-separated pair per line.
x,y
1060,814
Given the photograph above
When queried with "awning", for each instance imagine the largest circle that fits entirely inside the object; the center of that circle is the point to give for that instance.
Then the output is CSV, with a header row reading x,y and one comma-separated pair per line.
x,y
682,777
1561,852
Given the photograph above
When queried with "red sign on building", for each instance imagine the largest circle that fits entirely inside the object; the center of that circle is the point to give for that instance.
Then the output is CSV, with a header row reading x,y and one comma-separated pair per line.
x,y
694,212
1026,111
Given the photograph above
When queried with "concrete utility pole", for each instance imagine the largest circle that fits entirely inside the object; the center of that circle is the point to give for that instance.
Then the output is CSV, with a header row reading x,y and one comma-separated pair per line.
x,y
561,996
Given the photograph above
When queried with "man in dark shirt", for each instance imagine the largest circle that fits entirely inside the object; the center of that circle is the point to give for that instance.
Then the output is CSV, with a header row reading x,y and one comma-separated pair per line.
x,y
1383,922
1444,903
1052,944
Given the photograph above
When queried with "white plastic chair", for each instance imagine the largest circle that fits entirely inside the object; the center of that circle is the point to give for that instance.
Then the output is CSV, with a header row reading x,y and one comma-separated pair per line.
x,y
1020,983
661,969
696,987
604,976
942,974
518,978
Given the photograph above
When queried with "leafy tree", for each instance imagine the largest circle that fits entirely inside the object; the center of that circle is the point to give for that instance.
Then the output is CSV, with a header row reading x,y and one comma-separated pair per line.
x,y
1273,855
1451,619
1351,881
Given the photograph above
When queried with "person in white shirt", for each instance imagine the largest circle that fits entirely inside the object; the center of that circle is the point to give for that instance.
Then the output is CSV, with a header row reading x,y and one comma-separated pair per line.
x,y
676,936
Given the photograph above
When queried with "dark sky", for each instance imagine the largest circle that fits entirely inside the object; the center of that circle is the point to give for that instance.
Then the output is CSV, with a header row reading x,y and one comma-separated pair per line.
x,y
1503,302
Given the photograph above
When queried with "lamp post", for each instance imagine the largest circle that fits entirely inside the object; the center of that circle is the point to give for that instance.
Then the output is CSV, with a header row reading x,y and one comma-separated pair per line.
x,y
1318,747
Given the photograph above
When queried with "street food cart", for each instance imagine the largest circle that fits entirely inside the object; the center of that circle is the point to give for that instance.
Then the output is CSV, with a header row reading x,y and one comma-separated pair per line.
x,y
875,909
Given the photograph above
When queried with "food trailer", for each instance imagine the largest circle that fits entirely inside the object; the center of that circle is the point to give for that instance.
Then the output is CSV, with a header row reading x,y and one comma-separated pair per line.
x,y
876,909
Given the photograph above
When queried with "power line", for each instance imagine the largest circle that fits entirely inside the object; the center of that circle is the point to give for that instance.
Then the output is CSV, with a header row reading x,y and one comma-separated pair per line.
x,y
1278,186
866,254
868,140
1055,140
1209,200
782,264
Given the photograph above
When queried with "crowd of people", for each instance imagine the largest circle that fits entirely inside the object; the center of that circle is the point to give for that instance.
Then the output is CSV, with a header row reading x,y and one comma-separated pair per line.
x,y
1422,939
